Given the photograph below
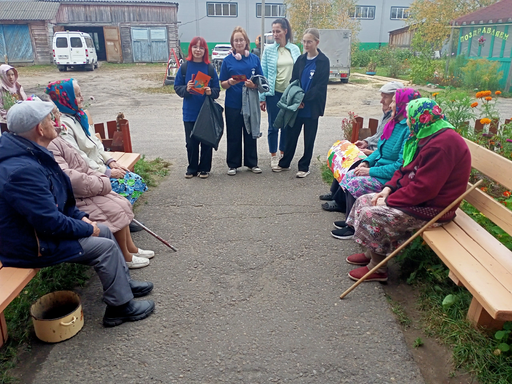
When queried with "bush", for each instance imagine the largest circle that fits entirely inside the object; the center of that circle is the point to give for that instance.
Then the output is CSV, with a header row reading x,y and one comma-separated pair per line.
x,y
482,74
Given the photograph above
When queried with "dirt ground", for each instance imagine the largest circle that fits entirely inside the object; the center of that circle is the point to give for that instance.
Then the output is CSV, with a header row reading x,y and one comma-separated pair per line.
x,y
136,90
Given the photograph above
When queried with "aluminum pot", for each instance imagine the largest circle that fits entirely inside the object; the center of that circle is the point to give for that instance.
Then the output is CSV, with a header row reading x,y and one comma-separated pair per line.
x,y
57,316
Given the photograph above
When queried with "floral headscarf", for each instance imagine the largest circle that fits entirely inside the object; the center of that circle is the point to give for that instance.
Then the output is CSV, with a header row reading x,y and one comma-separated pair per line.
x,y
62,94
426,118
402,97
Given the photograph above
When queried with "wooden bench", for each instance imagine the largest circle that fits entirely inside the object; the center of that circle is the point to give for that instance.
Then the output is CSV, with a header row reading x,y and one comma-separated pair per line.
x,y
476,259
12,282
116,139
359,132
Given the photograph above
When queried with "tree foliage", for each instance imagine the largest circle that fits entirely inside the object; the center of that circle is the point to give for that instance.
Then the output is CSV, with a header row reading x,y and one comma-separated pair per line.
x,y
321,14
431,17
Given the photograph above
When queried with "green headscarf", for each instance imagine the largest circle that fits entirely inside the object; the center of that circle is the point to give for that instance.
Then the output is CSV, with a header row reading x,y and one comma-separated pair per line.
x,y
426,118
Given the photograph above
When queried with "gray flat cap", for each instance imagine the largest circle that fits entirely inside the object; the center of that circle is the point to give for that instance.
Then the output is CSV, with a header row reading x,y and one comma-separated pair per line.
x,y
391,87
25,115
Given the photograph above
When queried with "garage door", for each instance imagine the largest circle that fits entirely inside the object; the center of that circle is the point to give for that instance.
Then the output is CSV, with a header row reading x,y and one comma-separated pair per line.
x,y
150,45
15,43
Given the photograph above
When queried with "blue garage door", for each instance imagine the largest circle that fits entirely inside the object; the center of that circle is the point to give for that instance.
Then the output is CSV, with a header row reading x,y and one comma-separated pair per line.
x,y
15,43
150,45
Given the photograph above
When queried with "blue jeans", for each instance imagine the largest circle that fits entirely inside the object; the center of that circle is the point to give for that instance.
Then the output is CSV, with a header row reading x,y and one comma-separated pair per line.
x,y
273,133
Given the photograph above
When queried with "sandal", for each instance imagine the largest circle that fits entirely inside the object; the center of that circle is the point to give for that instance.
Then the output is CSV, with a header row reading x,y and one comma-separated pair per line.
x,y
332,206
326,197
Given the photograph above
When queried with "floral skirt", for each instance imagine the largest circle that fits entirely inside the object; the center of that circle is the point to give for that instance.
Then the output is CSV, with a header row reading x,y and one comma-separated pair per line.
x,y
360,185
131,186
380,228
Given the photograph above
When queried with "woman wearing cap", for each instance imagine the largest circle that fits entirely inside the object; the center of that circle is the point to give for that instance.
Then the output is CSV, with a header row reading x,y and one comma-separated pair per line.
x,y
67,96
312,71
94,195
436,169
378,168
277,64
11,91
240,62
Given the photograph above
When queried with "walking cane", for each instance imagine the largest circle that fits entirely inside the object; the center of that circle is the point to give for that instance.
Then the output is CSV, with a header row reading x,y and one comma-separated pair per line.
x,y
154,235
422,229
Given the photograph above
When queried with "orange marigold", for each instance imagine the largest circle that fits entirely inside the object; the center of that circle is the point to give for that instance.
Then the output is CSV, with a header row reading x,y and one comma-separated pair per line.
x,y
506,194
473,105
487,93
435,94
497,93
484,189
488,98
485,120
479,95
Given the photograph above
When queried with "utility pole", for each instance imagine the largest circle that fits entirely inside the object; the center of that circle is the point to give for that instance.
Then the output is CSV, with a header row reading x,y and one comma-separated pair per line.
x,y
262,40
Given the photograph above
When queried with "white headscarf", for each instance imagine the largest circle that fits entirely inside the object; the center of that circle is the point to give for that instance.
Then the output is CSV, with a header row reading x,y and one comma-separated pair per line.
x,y
11,87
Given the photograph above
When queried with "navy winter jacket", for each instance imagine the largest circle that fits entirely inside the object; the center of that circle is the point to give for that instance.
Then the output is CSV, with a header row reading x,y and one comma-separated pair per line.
x,y
40,223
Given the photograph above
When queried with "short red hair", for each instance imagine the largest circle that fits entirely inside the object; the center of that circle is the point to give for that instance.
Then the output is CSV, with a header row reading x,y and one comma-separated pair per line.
x,y
202,43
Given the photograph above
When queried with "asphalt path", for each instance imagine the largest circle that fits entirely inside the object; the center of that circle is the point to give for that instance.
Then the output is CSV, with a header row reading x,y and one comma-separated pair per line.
x,y
251,296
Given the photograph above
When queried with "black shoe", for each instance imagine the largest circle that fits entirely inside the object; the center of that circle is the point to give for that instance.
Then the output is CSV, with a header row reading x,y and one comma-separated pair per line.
x,y
190,175
131,311
204,175
326,197
141,288
135,227
339,224
346,233
332,206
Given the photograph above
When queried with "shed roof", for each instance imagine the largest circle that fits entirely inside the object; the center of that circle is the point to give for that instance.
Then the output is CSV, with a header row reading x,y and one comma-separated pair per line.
x,y
19,10
500,12
172,2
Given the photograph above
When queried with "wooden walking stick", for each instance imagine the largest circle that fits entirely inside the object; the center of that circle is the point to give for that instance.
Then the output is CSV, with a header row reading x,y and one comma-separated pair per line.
x,y
419,232
154,235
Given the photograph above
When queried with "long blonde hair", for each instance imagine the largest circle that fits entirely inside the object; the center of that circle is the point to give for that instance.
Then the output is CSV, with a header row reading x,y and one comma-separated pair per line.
x,y
313,32
246,38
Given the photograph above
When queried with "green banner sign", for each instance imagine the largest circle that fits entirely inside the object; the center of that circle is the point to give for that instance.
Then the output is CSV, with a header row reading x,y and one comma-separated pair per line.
x,y
484,31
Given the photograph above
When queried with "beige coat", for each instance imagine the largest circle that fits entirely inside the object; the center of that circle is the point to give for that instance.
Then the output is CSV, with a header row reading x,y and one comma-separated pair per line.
x,y
92,190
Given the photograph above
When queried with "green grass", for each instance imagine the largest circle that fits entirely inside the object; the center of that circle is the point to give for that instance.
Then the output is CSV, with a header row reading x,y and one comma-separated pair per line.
x,y
19,324
114,66
325,172
380,71
163,89
399,312
152,171
359,81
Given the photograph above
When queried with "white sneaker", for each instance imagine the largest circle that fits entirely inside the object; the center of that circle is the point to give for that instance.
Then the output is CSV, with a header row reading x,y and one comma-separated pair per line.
x,y
302,174
279,169
137,262
274,161
147,254
255,169
232,171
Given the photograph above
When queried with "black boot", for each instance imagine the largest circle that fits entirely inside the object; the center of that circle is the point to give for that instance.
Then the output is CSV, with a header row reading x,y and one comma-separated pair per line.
x,y
135,227
131,311
140,288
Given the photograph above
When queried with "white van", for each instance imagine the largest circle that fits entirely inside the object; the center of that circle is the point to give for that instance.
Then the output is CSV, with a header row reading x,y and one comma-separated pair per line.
x,y
74,49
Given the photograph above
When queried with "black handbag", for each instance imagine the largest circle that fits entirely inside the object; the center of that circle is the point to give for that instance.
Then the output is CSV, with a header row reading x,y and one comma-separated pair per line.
x,y
209,126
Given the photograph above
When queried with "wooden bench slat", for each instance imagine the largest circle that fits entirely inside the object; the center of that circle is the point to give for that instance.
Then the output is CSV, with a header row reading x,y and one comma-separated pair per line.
x,y
493,210
490,163
501,254
116,155
128,160
463,235
12,282
496,300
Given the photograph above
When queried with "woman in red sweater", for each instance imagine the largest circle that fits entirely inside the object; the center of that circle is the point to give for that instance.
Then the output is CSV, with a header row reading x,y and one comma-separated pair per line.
x,y
436,168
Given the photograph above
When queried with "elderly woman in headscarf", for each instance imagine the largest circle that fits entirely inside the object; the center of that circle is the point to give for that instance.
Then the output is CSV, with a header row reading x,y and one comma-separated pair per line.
x,y
11,91
378,168
67,96
94,195
436,169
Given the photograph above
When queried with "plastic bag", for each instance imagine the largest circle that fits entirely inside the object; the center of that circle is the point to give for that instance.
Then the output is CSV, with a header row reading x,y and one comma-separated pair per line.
x,y
209,125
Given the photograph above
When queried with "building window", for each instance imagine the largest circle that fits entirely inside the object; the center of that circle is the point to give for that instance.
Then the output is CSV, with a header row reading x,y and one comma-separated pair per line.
x,y
271,10
222,9
363,12
399,13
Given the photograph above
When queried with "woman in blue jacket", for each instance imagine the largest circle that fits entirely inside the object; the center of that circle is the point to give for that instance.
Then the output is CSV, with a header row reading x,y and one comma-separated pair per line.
x,y
277,64
378,168
312,71
196,61
240,62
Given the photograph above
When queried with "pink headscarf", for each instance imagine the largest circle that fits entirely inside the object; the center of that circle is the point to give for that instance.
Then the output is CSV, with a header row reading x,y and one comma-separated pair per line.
x,y
402,97
11,87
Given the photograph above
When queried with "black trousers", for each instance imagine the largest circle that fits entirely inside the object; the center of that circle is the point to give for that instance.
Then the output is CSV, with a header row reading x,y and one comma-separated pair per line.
x,y
236,132
197,163
338,195
292,137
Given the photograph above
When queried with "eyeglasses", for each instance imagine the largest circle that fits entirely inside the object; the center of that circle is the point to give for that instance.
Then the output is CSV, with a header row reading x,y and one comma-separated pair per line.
x,y
239,41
